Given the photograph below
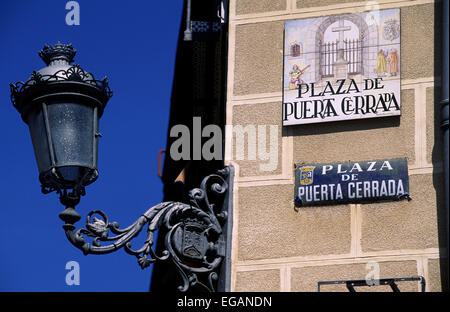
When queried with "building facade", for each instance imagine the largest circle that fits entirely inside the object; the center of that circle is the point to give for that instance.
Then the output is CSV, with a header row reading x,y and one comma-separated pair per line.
x,y
279,247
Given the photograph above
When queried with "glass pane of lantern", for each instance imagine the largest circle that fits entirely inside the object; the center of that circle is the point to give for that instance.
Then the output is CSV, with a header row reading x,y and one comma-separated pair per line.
x,y
71,174
72,130
39,139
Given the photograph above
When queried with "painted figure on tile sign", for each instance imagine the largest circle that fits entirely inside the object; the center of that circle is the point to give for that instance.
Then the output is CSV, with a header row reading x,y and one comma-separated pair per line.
x,y
381,63
296,74
392,61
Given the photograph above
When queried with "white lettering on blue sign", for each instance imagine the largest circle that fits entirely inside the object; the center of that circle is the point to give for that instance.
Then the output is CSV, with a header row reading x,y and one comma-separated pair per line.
x,y
352,182
362,189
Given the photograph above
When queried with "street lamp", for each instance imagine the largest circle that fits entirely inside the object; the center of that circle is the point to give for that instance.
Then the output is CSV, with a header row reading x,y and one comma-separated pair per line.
x,y
62,105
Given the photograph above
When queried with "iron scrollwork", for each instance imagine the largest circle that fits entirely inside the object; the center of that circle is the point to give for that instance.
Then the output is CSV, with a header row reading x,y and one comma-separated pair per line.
x,y
194,240
74,73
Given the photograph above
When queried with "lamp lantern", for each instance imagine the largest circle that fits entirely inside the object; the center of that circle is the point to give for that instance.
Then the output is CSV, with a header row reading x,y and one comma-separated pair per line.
x,y
62,104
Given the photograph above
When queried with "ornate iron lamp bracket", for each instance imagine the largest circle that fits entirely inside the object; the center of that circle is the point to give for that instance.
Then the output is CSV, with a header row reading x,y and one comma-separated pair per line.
x,y
194,240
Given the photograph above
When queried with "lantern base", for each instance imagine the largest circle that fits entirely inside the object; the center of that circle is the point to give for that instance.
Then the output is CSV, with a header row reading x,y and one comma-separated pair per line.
x,y
67,178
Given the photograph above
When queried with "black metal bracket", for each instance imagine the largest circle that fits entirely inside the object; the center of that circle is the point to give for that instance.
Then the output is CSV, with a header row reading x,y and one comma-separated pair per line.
x,y
195,240
392,282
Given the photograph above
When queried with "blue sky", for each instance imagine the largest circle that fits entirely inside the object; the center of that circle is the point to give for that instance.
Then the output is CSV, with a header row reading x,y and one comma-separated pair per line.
x,y
133,43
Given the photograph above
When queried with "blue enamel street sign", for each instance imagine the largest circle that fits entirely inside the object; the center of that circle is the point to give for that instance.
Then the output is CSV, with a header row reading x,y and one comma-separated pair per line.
x,y
351,182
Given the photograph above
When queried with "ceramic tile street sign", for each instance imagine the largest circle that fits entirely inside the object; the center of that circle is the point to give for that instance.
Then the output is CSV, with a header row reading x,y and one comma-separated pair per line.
x,y
342,67
351,182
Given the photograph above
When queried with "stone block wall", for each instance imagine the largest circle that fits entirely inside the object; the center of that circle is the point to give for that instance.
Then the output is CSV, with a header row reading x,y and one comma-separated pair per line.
x,y
278,249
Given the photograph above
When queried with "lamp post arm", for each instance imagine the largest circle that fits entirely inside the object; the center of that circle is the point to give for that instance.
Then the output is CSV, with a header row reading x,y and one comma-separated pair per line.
x,y
194,240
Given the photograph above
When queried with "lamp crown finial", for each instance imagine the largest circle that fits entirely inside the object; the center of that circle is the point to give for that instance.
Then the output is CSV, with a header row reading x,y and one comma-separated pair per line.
x,y
59,51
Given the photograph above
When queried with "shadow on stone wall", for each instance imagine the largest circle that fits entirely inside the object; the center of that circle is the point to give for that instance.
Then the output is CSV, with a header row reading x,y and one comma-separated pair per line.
x,y
437,157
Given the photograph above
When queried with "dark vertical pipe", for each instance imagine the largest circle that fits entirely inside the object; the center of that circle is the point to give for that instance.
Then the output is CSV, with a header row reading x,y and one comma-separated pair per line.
x,y
444,114
188,31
